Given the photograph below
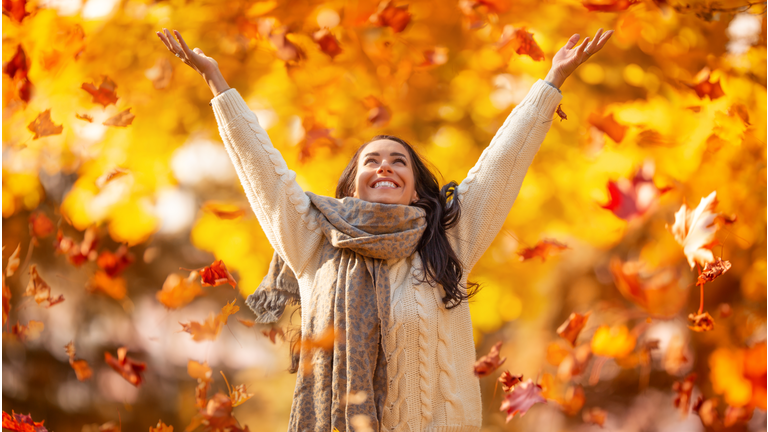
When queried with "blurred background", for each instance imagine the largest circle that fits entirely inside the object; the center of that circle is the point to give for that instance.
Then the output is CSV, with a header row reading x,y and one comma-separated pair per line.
x,y
115,178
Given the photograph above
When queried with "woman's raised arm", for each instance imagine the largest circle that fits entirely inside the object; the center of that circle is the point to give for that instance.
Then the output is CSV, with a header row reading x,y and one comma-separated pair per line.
x,y
280,205
492,185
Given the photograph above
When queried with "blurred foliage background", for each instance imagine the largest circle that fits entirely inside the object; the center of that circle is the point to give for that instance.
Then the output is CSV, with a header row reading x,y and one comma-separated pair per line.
x,y
678,95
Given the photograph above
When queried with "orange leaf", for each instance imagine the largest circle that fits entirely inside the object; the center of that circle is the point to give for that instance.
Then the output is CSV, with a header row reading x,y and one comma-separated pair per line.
x,y
328,42
315,136
76,253
217,274
324,341
121,119
489,362
595,416
247,323
38,288
285,49
211,327
239,394
707,411
273,333
396,18
42,125
573,400
128,368
556,354
85,117
561,113
16,10
527,46
571,328
608,125
712,270
508,380
161,427
704,87
202,373
521,399
104,94
435,57
31,331
378,114
113,287
737,415
40,225
658,292
22,423
178,292
82,370
608,5
574,362
223,211
13,262
114,263
702,322
544,248
217,416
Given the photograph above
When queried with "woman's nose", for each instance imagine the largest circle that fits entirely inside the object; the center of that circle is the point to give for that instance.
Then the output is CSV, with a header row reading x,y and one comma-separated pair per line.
x,y
384,167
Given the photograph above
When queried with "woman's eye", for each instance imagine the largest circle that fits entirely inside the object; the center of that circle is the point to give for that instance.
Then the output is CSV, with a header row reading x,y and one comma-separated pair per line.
x,y
369,160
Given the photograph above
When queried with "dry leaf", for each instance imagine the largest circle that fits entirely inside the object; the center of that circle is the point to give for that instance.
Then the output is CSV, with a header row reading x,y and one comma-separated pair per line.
x,y
508,380
82,370
40,226
38,288
13,262
328,42
712,270
18,69
43,126
702,322
114,287
30,332
20,422
630,199
544,248
114,263
211,327
85,117
695,230
128,368
121,119
104,94
217,274
521,399
178,291
488,363
396,18
559,111
570,329
161,427
657,291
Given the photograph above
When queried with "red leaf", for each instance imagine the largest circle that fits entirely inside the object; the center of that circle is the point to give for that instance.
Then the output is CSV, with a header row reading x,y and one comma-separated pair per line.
x,y
128,368
397,18
286,50
521,41
40,225
43,126
508,380
328,42
608,125
571,328
104,94
521,399
82,370
31,331
18,69
609,5
543,249
489,362
16,10
378,114
178,291
217,274
22,423
704,87
114,263
630,199
657,291
38,288
561,113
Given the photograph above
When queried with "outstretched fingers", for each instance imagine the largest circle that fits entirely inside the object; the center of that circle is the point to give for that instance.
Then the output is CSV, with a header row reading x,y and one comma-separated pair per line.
x,y
572,41
582,47
174,46
184,46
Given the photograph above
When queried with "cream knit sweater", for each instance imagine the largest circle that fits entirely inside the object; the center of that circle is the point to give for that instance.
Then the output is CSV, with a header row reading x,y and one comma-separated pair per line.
x,y
431,382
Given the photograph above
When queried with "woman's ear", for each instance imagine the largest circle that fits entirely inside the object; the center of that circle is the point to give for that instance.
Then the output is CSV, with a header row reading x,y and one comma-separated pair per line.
x,y
415,197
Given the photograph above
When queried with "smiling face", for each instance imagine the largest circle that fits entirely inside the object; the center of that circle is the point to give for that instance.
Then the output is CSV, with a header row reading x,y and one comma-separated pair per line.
x,y
385,174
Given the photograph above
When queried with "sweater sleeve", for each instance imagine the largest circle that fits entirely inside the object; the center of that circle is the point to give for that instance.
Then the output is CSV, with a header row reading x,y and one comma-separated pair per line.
x,y
281,206
492,185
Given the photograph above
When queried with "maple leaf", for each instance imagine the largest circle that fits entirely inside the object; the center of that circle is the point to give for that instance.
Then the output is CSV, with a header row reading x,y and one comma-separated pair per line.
x,y
114,263
396,18
544,248
608,5
559,111
704,87
695,230
315,136
38,288
127,368
178,291
658,291
595,416
22,423
521,41
630,199
76,253
508,380
6,301
702,322
211,327
31,331
328,42
161,427
223,211
114,287
160,74
43,126
121,119
18,69
608,125
13,262
16,10
615,342
82,370
202,373
216,274
85,117
237,394
521,399
104,94
573,400
488,363
570,329
574,363
712,270
216,416
683,389
378,114
40,226
273,333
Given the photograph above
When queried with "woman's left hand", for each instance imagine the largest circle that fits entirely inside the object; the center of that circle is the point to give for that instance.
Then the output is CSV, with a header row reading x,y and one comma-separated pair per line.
x,y
565,62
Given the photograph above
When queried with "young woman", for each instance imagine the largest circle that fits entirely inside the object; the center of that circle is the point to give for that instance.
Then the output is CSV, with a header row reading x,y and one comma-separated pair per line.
x,y
384,265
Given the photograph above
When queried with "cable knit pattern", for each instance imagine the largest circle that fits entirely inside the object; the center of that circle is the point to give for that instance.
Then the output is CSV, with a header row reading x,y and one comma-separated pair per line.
x,y
431,384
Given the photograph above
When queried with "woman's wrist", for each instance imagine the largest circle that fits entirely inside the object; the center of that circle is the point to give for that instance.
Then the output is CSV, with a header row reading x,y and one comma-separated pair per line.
x,y
555,78
216,82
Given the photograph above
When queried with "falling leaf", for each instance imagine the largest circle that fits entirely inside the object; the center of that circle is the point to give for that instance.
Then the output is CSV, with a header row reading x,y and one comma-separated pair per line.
x,y
695,230
216,274
574,362
608,5
160,74
704,87
683,389
396,18
324,341
521,41
237,394
657,291
104,94
216,416
435,57
211,327
544,248
246,323
82,370
378,114
40,225
706,410
178,291
508,380
616,341
77,254
328,42
16,10
315,136
570,329
114,287
712,270
702,322
114,263
608,125
521,399
273,333
161,427
630,199
285,49
121,119
127,368
20,422
561,113
85,117
573,400
488,363
110,175
43,126
13,262
30,332
38,288
18,69
223,211
595,416
202,373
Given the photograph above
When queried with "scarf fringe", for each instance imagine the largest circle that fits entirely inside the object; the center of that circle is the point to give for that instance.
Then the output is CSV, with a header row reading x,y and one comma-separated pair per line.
x,y
270,305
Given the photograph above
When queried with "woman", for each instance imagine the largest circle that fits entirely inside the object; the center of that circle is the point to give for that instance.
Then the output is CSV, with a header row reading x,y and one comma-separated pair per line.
x,y
385,264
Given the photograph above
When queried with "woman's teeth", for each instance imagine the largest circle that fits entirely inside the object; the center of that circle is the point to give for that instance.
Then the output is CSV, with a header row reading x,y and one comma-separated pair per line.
x,y
384,184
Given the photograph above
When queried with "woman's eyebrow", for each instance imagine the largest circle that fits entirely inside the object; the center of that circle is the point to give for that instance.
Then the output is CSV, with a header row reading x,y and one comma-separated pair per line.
x,y
391,154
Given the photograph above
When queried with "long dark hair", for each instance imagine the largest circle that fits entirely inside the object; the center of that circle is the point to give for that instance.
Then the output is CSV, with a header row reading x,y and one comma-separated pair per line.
x,y
439,261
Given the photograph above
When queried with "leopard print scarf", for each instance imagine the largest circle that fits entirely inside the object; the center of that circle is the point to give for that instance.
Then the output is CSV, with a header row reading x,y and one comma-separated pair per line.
x,y
350,294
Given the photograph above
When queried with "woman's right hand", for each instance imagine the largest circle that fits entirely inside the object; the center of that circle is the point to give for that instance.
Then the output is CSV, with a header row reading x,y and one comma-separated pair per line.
x,y
194,58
